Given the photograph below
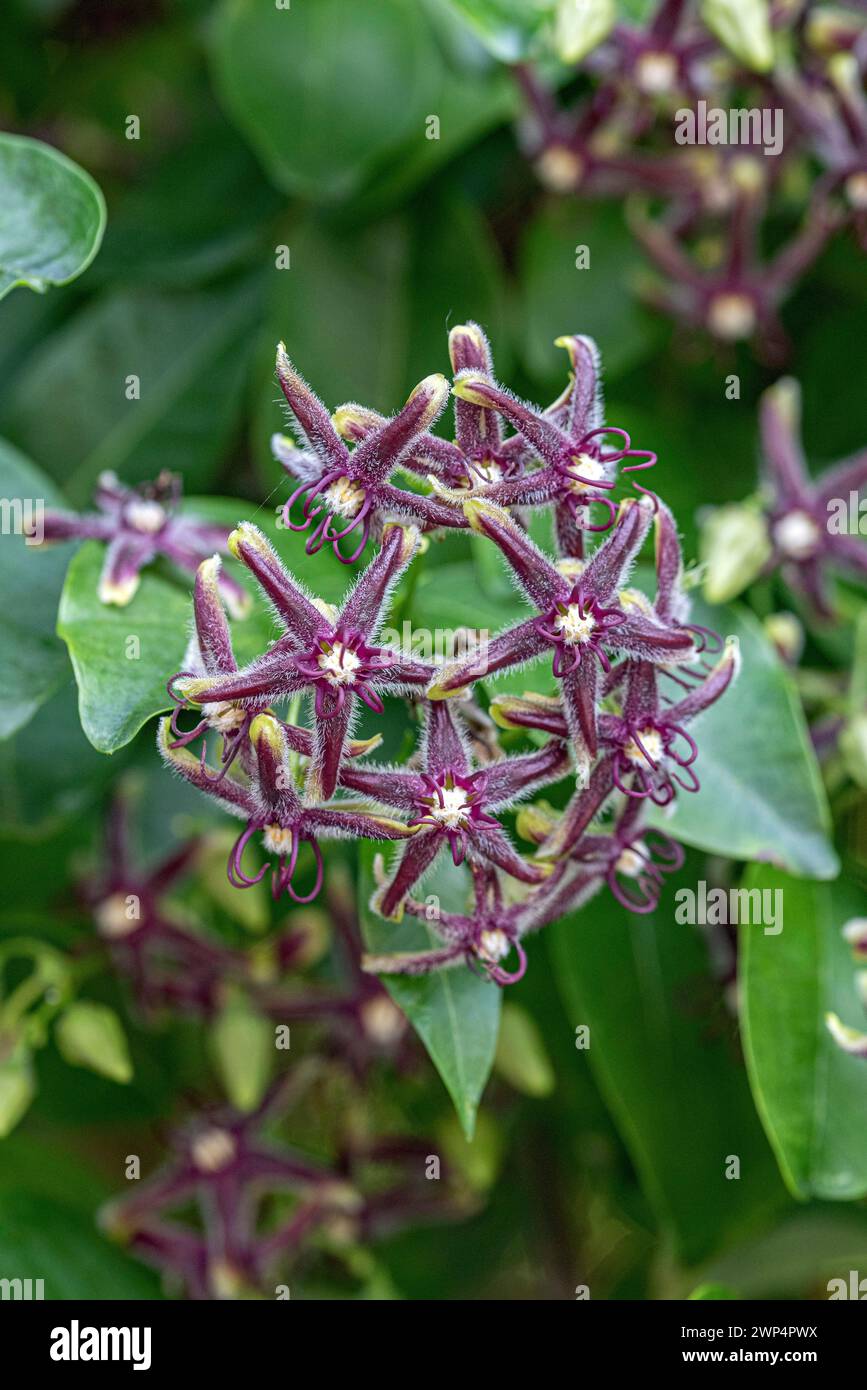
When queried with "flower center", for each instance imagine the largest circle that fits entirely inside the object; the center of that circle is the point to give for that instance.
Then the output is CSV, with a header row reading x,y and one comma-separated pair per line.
x,y
731,316
383,1020
213,1150
856,190
113,918
339,664
494,945
450,807
797,535
145,515
647,747
559,168
575,626
631,862
590,468
224,716
655,73
345,497
277,839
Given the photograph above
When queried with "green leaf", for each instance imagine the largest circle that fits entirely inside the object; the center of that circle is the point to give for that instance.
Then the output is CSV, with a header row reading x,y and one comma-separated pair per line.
x,y
69,405
91,1035
674,1086
49,772
122,657
325,92
812,1096
44,1239
52,216
455,1013
385,295
508,28
599,300
761,792
119,692
712,1291
33,663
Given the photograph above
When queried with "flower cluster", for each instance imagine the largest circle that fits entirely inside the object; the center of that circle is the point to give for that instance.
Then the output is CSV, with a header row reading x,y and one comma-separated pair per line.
x,y
634,132
629,672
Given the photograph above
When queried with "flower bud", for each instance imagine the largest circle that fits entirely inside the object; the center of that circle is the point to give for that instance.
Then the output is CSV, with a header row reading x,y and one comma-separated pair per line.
x,y
242,1042
734,548
744,28
580,25
91,1035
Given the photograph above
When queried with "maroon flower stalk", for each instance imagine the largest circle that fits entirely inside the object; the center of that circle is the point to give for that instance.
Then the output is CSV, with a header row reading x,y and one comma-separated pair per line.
x,y
805,543
580,619
343,491
449,803
138,524
330,657
272,807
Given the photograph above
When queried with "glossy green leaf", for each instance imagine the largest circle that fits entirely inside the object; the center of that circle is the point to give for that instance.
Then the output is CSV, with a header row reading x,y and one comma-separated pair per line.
x,y
761,792
119,691
44,1239
598,299
136,382
33,663
671,1078
52,216
122,657
325,92
242,1044
455,1013
811,1095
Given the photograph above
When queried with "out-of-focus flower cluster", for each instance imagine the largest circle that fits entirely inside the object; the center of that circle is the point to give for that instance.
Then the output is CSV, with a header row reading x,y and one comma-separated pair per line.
x,y
715,120
630,672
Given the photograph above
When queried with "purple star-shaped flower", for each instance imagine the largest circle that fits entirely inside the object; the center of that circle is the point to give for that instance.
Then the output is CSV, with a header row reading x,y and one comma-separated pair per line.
x,y
451,804
809,520
580,619
342,491
272,806
325,653
139,524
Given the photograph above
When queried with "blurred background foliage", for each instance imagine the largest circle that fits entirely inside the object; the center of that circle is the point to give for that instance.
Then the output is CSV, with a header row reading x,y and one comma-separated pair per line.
x,y
258,133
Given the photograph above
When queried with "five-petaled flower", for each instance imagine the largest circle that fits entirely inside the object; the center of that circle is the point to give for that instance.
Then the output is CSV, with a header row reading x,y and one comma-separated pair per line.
x,y
447,802
803,512
582,616
272,805
323,652
343,491
139,524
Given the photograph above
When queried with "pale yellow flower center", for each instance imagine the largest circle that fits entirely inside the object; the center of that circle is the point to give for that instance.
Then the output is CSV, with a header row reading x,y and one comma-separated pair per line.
x,y
145,515
493,945
797,535
213,1149
574,626
453,811
652,747
345,497
655,73
339,664
113,919
277,839
731,316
